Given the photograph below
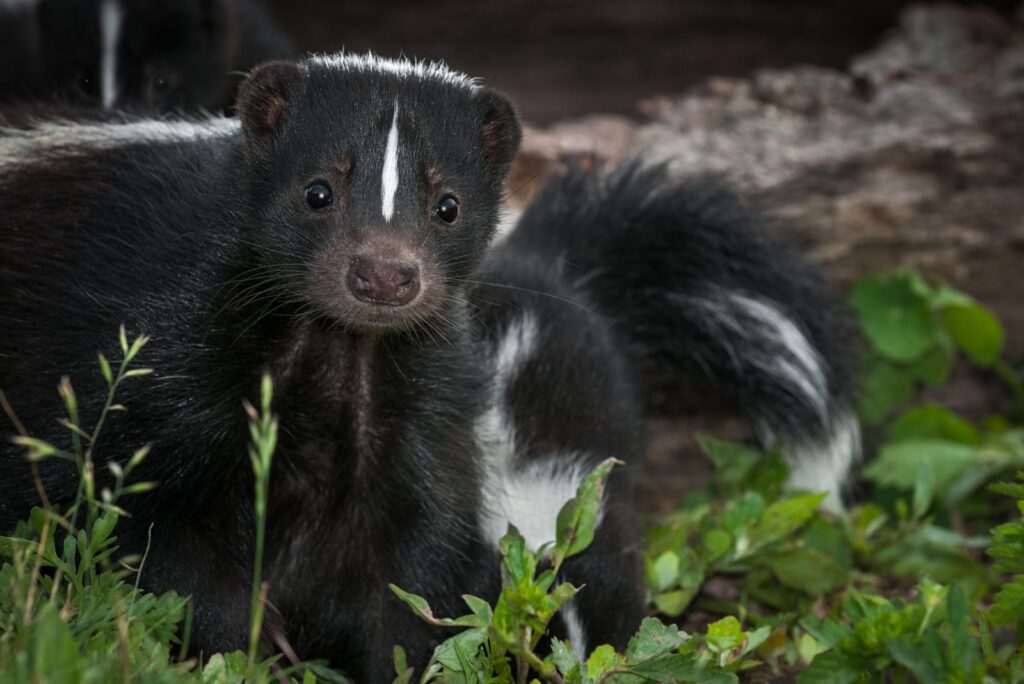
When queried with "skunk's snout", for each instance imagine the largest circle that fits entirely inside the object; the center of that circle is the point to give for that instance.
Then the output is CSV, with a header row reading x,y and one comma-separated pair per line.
x,y
383,281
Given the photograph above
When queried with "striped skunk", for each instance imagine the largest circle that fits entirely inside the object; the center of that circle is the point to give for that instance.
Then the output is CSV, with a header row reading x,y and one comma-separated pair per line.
x,y
157,55
692,284
431,388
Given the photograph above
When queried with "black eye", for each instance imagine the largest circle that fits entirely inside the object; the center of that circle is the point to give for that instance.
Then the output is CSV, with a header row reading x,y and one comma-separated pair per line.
x,y
447,209
160,83
319,195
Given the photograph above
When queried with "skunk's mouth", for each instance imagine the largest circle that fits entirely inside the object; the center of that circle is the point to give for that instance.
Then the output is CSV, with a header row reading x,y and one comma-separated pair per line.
x,y
377,295
379,317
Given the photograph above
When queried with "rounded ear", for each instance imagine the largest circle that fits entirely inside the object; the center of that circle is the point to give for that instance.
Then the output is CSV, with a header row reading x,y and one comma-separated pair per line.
x,y
500,132
264,96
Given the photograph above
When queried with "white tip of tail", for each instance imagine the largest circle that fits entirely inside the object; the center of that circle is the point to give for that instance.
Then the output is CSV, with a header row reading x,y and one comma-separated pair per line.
x,y
824,464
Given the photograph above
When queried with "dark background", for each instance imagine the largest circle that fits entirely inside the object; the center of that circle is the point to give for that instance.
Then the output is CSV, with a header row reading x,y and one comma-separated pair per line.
x,y
563,58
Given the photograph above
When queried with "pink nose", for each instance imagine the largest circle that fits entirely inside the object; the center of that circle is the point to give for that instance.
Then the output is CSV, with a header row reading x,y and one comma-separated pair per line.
x,y
383,281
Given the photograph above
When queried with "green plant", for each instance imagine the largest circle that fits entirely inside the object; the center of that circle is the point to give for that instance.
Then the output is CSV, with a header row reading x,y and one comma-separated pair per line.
x,y
875,639
263,434
1008,551
914,328
510,632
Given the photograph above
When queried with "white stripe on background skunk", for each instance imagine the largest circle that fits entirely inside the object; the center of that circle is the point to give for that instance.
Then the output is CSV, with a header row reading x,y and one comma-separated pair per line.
x,y
430,389
154,54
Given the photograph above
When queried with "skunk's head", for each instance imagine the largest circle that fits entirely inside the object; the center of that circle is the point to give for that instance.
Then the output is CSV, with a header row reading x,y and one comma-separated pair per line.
x,y
376,184
153,54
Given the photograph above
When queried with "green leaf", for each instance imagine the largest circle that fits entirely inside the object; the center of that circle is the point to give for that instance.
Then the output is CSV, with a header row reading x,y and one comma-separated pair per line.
x,y
478,607
578,518
756,638
829,539
833,668
782,518
827,631
38,449
715,544
933,367
673,603
664,571
1008,604
135,347
932,421
458,653
732,461
219,670
924,490
676,669
422,609
55,653
654,639
808,647
976,331
898,464
518,562
768,476
963,649
399,659
945,296
807,570
895,317
725,634
101,530
602,659
883,386
139,456
566,660
915,658
105,369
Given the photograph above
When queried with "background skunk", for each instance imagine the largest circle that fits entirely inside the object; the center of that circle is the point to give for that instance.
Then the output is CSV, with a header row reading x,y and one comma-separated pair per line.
x,y
157,54
694,285
429,391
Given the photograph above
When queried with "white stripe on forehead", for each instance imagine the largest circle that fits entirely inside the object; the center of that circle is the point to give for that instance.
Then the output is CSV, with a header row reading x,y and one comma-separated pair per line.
x,y
389,177
111,17
401,67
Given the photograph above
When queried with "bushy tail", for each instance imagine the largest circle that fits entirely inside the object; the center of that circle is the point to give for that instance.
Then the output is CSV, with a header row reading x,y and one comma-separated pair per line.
x,y
692,282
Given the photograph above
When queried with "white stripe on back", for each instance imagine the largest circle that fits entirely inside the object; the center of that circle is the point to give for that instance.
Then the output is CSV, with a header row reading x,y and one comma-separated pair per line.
x,y
111,18
36,144
574,630
389,179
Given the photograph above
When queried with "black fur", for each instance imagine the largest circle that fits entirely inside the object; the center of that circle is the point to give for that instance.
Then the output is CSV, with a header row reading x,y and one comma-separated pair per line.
x,y
171,54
